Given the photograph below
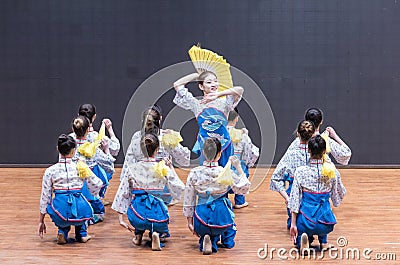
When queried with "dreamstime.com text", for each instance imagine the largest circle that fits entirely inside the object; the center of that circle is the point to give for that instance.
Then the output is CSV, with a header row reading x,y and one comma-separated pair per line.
x,y
339,252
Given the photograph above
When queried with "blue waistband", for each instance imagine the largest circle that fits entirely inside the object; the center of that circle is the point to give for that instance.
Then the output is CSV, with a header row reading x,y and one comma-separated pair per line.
x,y
67,191
207,197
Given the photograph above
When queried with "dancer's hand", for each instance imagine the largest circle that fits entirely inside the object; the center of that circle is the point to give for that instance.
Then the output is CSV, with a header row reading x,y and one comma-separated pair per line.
x,y
209,97
235,162
293,233
191,228
107,123
104,145
42,229
168,162
127,226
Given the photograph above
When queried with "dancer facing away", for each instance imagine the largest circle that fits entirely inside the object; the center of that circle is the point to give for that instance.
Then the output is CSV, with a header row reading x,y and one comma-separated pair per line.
x,y
338,148
243,149
291,160
68,207
151,123
313,185
211,111
212,214
89,111
138,194
100,163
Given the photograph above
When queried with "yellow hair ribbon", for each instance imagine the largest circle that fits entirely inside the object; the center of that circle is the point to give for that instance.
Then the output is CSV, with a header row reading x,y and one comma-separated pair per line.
x,y
171,139
328,168
236,135
325,136
160,169
83,170
225,177
89,149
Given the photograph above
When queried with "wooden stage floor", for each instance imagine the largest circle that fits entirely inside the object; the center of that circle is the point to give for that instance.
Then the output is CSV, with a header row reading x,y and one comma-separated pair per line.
x,y
368,221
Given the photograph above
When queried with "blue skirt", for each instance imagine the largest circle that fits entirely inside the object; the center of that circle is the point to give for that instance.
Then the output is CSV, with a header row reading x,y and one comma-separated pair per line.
x,y
69,207
315,215
213,217
148,212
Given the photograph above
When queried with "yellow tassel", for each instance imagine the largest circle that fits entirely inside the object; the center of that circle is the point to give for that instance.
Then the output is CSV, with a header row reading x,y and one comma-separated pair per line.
x,y
325,136
102,133
328,168
89,149
171,139
161,170
225,177
83,170
236,135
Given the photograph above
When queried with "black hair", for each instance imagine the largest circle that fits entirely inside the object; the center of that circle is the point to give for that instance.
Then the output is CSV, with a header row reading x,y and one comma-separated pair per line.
x,y
212,147
317,146
314,115
233,114
87,110
65,144
306,130
80,125
203,76
148,144
151,121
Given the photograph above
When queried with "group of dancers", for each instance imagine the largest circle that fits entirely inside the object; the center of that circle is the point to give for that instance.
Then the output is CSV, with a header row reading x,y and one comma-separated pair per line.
x,y
74,188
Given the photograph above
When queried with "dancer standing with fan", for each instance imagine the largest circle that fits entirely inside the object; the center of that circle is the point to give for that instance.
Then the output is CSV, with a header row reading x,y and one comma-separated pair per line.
x,y
212,110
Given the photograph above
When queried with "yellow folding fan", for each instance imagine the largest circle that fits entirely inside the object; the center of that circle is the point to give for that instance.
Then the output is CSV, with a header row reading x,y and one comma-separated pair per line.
x,y
206,60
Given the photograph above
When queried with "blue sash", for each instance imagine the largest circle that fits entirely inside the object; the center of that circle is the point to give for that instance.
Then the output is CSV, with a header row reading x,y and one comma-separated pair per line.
x,y
69,207
315,214
212,123
214,212
148,212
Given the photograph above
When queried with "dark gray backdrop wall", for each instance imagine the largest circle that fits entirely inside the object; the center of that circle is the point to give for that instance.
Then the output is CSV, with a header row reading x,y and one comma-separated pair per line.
x,y
341,56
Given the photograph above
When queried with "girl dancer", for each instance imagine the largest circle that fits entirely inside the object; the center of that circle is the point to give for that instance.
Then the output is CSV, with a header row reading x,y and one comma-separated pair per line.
x,y
151,123
292,159
243,149
212,215
338,148
68,207
313,185
100,163
211,111
138,193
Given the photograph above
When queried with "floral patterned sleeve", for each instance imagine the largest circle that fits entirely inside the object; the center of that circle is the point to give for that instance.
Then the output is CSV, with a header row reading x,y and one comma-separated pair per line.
x,y
122,198
296,193
106,161
47,189
277,179
175,185
241,183
114,145
341,153
181,155
189,200
231,102
338,190
186,100
94,184
131,154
